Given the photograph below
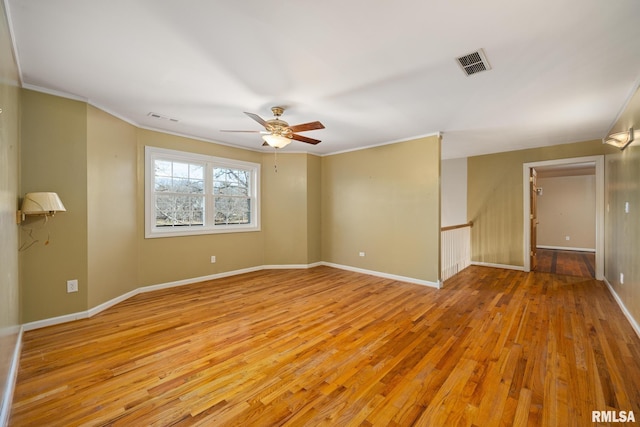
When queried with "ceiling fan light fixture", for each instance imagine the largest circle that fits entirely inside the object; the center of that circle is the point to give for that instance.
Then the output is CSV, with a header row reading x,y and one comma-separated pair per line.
x,y
276,141
620,139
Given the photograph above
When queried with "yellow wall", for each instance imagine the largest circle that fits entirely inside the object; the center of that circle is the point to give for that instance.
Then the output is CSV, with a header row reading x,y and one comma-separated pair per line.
x,y
285,216
384,201
54,158
164,260
314,212
111,210
9,150
495,198
9,155
622,230
567,207
95,162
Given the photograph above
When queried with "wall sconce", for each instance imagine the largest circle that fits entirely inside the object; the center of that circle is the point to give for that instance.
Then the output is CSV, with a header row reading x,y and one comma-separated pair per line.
x,y
46,204
620,139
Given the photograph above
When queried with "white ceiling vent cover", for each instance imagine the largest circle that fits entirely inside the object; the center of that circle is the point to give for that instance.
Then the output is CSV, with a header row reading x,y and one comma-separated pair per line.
x,y
160,116
474,62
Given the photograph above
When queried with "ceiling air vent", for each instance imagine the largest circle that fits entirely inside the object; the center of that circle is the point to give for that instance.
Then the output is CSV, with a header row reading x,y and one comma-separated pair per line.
x,y
474,62
160,116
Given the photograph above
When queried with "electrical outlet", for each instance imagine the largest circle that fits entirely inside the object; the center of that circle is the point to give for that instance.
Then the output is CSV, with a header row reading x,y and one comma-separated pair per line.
x,y
72,285
567,237
361,254
213,259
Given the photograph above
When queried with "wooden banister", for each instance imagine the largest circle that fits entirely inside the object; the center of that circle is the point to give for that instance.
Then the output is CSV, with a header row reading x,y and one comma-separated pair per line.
x,y
453,227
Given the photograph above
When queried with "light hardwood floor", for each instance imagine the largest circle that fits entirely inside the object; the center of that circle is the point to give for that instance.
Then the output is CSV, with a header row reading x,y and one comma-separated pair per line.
x,y
331,347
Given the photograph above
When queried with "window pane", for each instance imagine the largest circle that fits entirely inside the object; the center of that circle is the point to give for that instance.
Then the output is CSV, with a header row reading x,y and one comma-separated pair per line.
x,y
182,187
176,177
165,207
196,172
232,210
231,182
239,211
163,184
179,210
180,170
162,168
196,186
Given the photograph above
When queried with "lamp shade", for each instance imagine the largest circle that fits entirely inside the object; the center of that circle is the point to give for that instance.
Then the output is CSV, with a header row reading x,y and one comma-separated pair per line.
x,y
41,203
276,141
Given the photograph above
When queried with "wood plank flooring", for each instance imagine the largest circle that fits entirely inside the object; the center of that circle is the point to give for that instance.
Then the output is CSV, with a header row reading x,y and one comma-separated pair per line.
x,y
330,347
572,263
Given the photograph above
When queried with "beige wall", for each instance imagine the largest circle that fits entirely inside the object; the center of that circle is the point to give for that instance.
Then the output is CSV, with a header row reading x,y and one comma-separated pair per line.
x,y
169,259
495,198
314,209
9,155
622,230
567,207
111,207
384,201
288,208
95,162
54,158
454,192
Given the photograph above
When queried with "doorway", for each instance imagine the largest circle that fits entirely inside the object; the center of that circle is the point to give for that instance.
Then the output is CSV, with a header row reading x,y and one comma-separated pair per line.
x,y
531,255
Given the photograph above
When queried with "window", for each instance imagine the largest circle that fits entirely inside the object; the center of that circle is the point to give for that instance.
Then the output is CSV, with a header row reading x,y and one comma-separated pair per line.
x,y
188,193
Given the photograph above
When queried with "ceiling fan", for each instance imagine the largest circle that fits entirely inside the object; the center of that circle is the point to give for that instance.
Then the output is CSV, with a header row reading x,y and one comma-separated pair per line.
x,y
278,133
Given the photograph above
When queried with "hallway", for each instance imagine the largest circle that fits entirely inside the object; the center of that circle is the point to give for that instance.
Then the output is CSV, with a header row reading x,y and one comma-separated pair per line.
x,y
570,263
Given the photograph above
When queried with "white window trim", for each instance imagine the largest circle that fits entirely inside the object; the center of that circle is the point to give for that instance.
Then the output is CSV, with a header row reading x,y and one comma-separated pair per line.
x,y
153,153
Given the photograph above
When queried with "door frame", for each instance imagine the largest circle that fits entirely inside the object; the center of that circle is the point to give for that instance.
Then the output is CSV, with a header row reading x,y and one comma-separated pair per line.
x,y
599,163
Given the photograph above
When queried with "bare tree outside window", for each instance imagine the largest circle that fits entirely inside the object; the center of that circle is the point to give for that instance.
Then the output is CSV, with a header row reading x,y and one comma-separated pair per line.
x,y
188,194
179,189
231,196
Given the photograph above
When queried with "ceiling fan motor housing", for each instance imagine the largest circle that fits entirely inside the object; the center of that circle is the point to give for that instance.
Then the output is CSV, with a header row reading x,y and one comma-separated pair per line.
x,y
279,127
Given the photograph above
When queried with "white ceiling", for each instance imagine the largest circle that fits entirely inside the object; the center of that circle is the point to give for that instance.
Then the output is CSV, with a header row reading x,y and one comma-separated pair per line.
x,y
371,71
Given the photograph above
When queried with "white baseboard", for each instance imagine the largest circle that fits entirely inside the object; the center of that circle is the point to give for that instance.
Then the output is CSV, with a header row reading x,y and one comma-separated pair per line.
x,y
105,305
193,280
12,375
56,320
566,248
291,266
505,266
627,314
437,285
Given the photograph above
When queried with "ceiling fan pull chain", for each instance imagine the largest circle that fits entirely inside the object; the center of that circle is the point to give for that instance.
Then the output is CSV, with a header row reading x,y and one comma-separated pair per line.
x,y
275,160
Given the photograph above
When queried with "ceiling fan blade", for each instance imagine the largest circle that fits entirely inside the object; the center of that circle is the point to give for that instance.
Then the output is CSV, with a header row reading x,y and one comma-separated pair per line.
x,y
306,126
257,118
305,139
